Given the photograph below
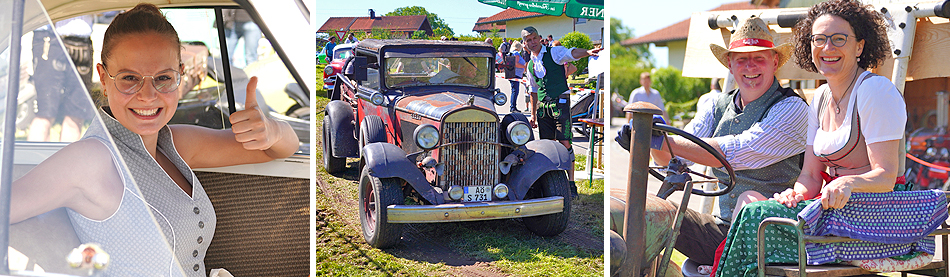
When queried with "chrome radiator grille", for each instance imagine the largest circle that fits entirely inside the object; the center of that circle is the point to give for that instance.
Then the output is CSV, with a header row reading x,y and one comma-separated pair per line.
x,y
469,164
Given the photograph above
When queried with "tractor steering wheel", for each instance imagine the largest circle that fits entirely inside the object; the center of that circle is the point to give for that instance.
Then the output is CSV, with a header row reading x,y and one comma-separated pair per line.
x,y
678,168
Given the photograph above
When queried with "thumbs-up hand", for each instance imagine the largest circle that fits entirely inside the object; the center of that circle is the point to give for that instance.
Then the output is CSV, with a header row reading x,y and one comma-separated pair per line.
x,y
251,126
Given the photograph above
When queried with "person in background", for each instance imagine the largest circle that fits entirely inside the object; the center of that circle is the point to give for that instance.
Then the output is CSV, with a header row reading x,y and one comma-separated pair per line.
x,y
708,99
238,24
646,93
58,94
352,39
550,95
517,73
505,45
328,50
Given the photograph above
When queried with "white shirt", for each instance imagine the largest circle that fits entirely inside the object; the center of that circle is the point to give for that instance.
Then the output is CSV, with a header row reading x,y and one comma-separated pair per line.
x,y
707,101
559,54
881,110
780,134
640,94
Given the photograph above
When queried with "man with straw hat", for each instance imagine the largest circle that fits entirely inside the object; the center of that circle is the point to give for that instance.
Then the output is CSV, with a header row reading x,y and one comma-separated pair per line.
x,y
759,127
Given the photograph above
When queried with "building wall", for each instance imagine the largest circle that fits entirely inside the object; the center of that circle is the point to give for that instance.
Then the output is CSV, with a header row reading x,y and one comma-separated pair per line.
x,y
555,26
677,53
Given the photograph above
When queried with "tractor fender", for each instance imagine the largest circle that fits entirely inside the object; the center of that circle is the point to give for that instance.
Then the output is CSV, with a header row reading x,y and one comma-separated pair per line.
x,y
385,160
342,130
548,155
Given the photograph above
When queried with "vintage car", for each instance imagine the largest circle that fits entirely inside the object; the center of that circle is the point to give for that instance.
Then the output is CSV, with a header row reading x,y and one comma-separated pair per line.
x,y
261,209
420,116
340,53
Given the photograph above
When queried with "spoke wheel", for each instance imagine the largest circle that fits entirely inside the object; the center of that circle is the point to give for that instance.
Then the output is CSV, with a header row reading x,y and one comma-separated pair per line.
x,y
375,196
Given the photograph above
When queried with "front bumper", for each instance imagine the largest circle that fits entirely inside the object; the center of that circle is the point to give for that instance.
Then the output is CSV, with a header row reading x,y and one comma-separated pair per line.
x,y
329,82
474,211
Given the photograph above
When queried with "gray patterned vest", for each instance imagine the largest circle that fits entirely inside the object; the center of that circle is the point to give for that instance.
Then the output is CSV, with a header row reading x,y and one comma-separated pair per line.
x,y
131,235
768,180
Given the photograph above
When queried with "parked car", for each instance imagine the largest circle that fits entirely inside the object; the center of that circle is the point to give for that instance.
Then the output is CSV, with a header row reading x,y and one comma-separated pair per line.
x,y
340,54
261,208
420,116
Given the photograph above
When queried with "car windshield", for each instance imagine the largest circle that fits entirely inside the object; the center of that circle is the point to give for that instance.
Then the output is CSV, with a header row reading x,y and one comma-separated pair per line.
x,y
342,53
457,71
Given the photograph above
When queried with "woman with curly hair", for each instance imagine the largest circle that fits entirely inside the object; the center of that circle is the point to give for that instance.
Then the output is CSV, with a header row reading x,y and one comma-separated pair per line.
x,y
855,124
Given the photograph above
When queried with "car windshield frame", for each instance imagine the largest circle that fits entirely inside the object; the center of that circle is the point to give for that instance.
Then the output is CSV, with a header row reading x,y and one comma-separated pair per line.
x,y
437,66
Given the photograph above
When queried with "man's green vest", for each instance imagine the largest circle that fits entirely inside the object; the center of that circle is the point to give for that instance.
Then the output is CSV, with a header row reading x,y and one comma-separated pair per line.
x,y
554,80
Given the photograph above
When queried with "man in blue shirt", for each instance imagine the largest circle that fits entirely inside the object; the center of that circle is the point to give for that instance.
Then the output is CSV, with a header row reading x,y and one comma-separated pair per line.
x,y
329,48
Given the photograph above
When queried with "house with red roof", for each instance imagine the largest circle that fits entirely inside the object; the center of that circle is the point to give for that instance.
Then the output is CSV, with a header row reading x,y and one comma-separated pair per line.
x,y
404,25
514,21
674,36
487,28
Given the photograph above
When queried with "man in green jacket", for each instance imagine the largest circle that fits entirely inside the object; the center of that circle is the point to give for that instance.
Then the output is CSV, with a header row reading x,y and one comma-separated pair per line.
x,y
547,83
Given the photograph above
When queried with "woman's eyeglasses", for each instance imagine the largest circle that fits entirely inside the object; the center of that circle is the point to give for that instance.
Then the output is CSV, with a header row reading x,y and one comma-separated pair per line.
x,y
130,82
838,40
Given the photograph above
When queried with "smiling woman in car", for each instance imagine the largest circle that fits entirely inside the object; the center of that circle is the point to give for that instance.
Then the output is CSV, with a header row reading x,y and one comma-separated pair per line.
x,y
117,193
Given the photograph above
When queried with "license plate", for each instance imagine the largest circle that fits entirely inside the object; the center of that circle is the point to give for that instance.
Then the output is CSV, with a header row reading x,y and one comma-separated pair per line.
x,y
477,193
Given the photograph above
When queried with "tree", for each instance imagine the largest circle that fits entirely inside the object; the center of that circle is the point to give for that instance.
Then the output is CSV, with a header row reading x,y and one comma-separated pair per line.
x,y
578,40
442,32
626,62
380,33
679,93
434,20
419,34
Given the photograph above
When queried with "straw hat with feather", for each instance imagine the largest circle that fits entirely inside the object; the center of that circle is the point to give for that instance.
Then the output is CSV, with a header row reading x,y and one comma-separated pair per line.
x,y
753,35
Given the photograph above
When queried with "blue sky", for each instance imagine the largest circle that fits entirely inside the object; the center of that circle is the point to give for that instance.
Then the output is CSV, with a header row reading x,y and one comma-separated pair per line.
x,y
648,16
459,14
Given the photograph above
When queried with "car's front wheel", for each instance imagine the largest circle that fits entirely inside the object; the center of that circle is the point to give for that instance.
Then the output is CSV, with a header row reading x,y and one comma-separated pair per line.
x,y
552,183
375,196
330,163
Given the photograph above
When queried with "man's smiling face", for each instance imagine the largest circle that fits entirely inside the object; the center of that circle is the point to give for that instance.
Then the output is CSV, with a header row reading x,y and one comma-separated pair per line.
x,y
753,71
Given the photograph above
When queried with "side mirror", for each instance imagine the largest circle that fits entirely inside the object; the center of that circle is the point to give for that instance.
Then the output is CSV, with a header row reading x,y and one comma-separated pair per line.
x,y
359,68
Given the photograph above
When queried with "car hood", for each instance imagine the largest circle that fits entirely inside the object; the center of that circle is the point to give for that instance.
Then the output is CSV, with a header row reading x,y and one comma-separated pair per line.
x,y
436,105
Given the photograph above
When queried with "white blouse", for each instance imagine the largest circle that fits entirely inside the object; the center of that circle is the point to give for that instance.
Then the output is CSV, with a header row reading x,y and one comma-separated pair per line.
x,y
881,110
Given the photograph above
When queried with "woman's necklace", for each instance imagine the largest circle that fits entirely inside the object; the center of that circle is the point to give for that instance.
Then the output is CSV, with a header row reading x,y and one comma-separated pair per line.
x,y
837,102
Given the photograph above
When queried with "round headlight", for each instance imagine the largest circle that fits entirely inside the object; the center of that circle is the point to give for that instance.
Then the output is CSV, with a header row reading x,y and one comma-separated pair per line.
x,y
931,152
944,153
328,70
377,99
427,136
455,192
501,190
500,99
519,133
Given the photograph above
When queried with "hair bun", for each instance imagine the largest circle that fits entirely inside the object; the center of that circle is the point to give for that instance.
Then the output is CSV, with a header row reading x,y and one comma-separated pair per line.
x,y
145,7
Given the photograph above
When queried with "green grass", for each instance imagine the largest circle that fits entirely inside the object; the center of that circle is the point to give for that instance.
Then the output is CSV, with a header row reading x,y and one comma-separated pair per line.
x,y
580,162
510,248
